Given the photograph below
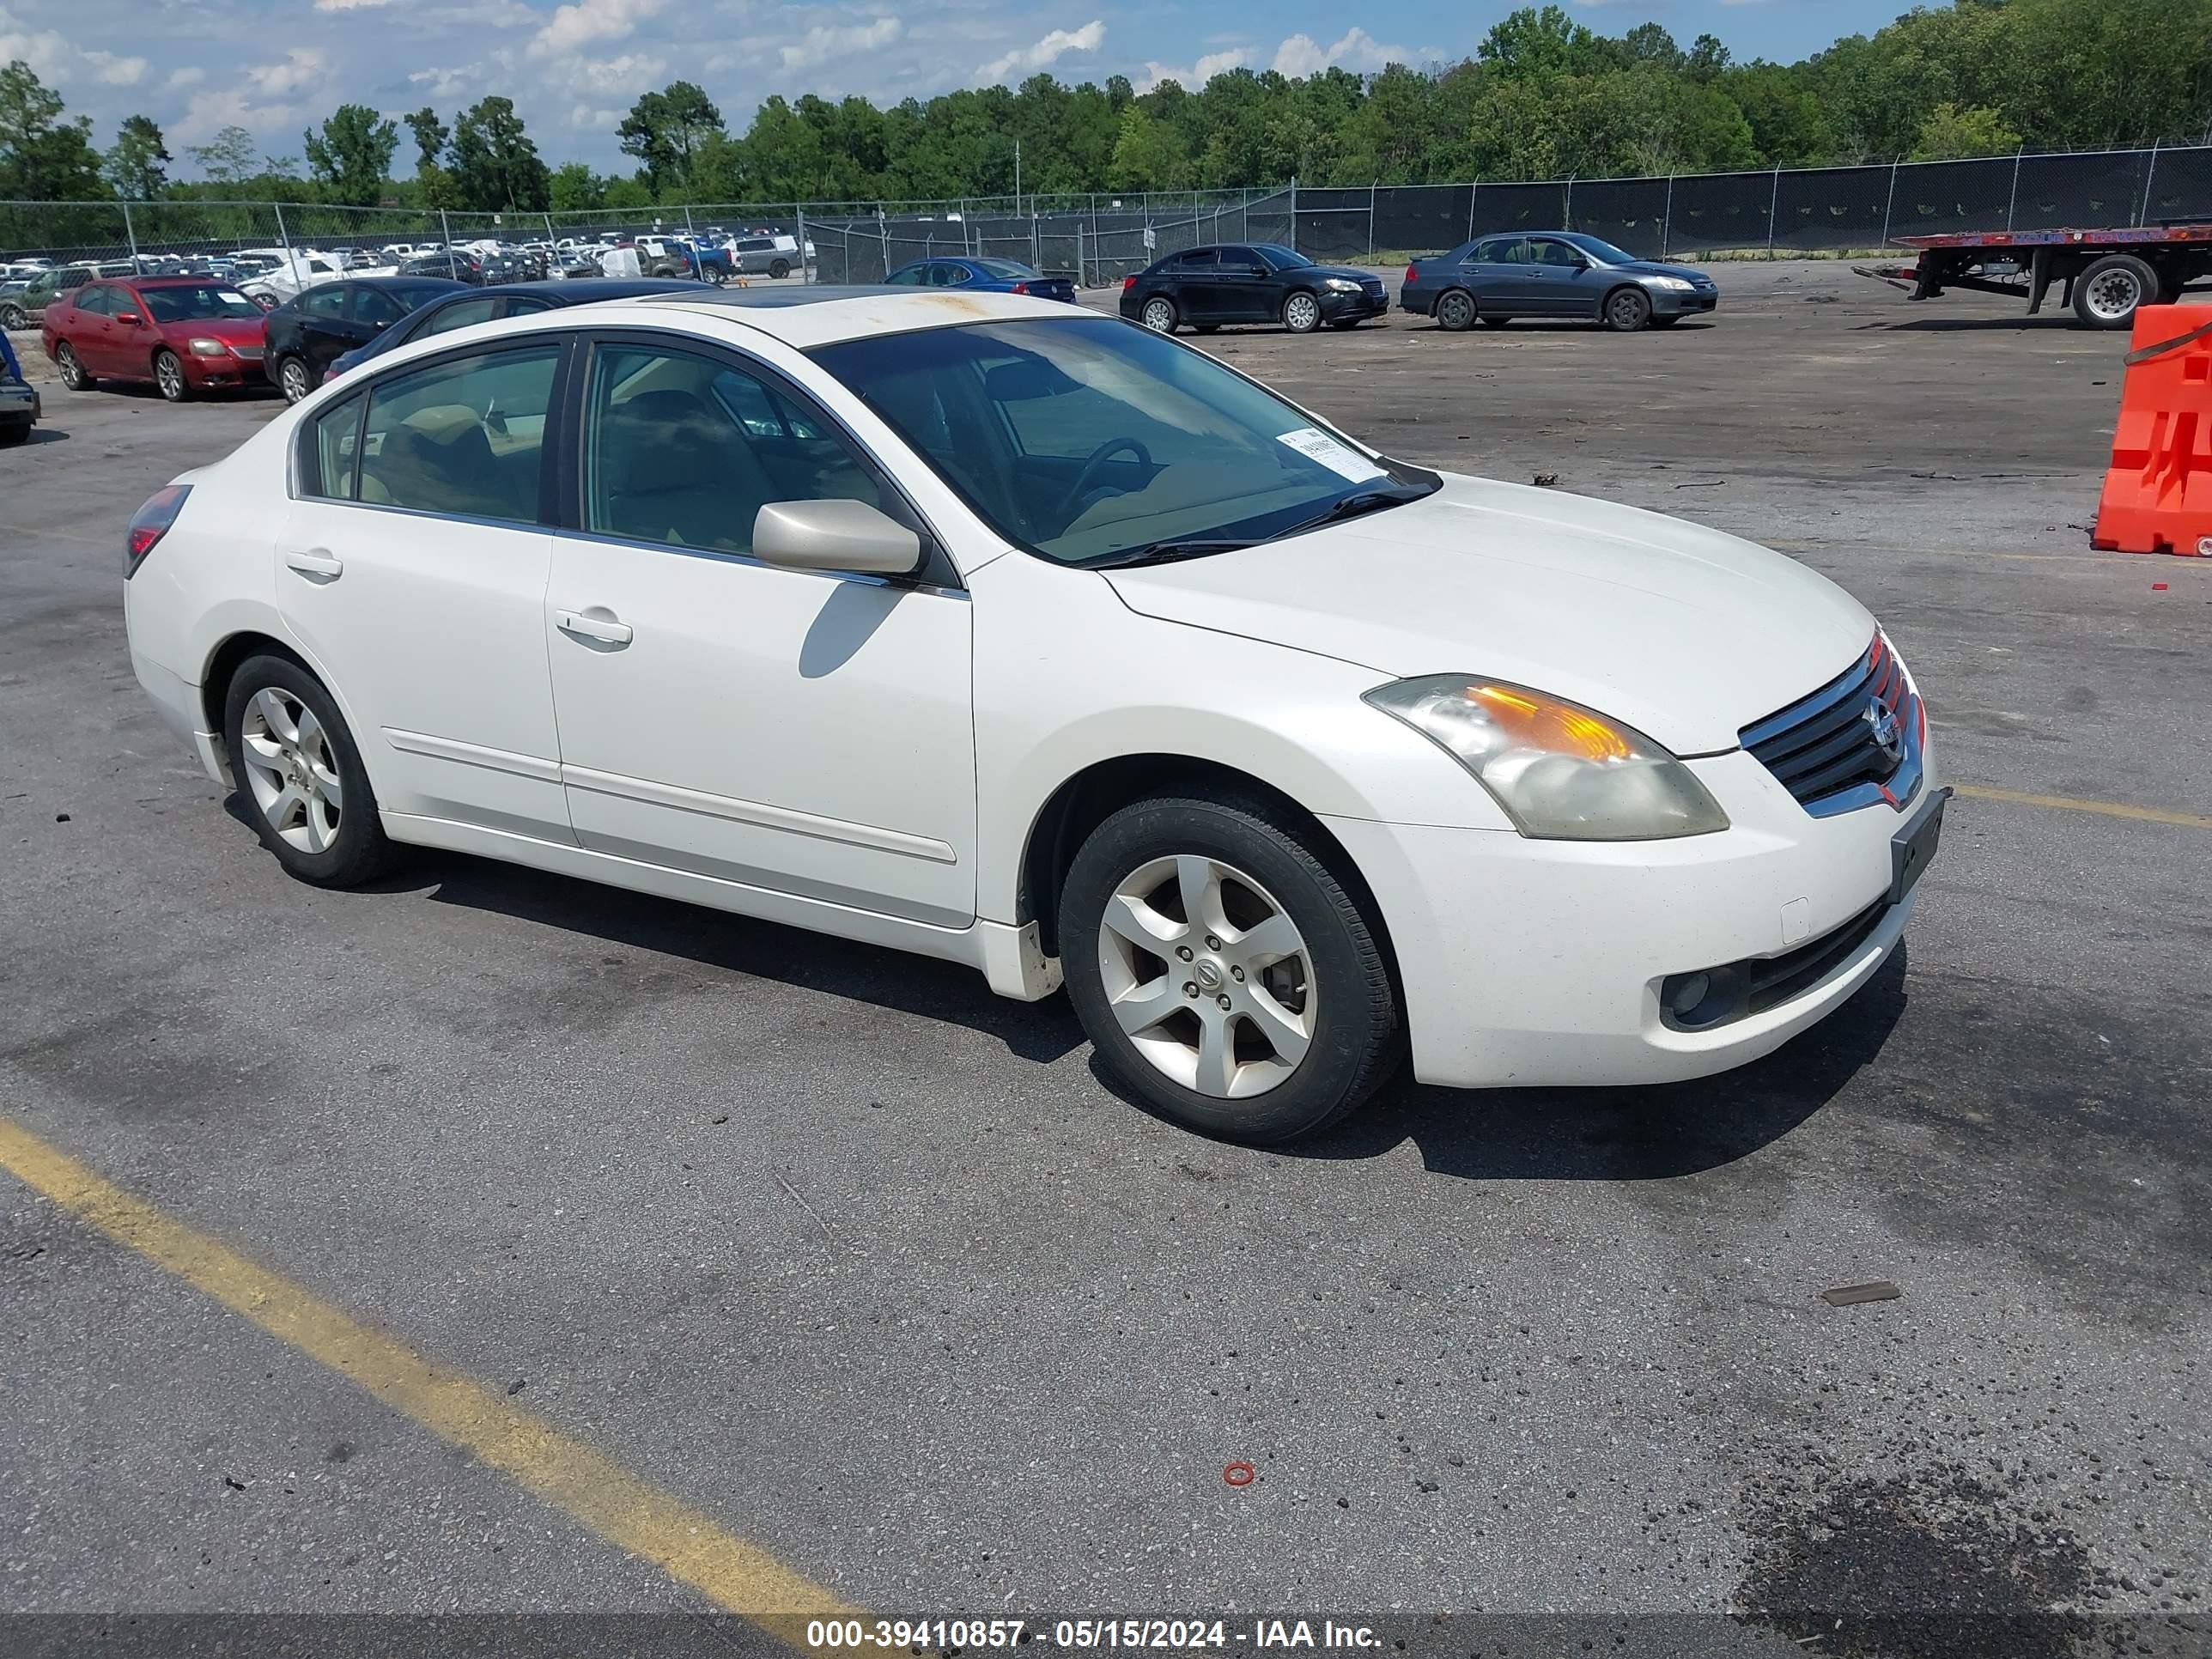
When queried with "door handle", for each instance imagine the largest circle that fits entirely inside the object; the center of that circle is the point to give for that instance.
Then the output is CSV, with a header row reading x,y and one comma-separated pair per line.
x,y
601,627
316,565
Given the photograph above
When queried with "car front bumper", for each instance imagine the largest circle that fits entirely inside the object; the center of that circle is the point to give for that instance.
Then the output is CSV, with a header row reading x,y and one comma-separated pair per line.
x,y
1337,307
1540,962
1672,302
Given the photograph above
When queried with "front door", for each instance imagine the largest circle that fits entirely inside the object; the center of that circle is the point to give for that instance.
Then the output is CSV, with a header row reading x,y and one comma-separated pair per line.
x,y
803,733
1246,288
411,570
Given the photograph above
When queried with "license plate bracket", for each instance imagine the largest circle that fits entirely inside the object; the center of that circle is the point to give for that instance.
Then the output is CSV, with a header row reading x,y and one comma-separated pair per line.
x,y
1912,848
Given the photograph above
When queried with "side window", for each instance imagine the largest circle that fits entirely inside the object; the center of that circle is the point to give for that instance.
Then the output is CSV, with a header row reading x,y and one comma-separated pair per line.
x,y
957,276
910,278
1242,262
376,309
1559,254
459,314
1200,260
327,461
93,299
465,438
523,305
685,450
324,303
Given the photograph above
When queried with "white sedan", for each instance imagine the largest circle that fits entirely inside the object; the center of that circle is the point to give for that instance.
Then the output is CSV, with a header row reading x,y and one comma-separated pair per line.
x,y
1043,643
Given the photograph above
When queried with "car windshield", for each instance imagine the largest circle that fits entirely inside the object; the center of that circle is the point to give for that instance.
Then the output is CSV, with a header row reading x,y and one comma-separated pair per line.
x,y
1600,248
1008,271
1280,258
1089,442
203,301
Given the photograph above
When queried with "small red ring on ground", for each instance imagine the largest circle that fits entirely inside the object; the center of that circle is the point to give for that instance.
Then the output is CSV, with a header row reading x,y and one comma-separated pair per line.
x,y
1239,1475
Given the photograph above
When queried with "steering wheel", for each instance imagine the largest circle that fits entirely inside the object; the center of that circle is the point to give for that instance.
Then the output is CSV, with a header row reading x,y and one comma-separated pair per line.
x,y
1086,483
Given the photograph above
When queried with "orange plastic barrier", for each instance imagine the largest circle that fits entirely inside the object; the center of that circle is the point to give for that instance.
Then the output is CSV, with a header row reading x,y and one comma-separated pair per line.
x,y
2158,495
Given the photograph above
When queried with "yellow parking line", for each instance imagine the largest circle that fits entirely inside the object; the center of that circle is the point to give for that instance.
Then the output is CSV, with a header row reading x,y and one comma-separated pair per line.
x,y
2111,809
586,1484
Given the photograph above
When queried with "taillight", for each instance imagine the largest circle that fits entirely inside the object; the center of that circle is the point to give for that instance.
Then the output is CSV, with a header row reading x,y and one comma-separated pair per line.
x,y
1128,282
150,524
1410,278
1021,288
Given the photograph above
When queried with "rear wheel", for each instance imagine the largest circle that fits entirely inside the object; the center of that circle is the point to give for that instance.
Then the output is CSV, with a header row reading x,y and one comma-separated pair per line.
x,y
1159,314
1225,974
1627,309
13,317
2107,293
169,376
1455,310
779,268
1302,314
294,379
72,371
298,767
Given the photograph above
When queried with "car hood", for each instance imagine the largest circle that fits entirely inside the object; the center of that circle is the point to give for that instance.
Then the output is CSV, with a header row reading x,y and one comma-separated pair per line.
x,y
1653,268
231,330
1683,633
1351,273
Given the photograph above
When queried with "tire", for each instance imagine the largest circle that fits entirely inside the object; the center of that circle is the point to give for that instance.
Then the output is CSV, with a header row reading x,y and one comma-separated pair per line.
x,y
779,268
1626,310
12,317
1330,1035
294,379
326,835
72,371
2107,293
1158,314
716,276
1455,310
1301,312
169,377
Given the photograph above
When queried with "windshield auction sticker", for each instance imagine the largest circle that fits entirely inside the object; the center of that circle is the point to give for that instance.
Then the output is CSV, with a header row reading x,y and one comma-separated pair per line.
x,y
1316,445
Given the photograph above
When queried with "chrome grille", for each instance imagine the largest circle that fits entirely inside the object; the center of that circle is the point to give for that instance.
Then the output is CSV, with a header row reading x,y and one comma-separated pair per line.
x,y
1827,748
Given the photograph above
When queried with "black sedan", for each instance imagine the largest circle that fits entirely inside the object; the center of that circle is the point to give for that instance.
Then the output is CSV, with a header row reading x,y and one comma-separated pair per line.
x,y
1553,273
1250,282
466,305
313,329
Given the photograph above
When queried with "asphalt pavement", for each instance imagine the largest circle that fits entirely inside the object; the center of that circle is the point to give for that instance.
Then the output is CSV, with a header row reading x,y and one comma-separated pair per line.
x,y
871,1268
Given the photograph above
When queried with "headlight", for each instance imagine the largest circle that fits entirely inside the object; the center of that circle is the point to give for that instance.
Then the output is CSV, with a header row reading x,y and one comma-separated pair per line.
x,y
208,348
1674,282
1340,285
1562,772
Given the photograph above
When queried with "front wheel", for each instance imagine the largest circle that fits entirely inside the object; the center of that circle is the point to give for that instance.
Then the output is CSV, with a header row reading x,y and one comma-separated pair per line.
x,y
1226,975
298,768
2107,293
169,376
1159,314
1455,310
72,371
1627,309
12,317
1302,314
295,379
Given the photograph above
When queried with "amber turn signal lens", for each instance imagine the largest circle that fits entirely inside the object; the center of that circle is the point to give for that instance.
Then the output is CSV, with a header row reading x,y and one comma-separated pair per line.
x,y
1557,728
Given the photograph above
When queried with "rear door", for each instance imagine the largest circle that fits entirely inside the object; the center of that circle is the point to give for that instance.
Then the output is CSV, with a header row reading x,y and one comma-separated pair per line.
x,y
1193,283
411,570
322,329
84,320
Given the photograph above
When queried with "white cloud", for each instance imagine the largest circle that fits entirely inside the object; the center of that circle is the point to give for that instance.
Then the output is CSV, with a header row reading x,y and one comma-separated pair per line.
x,y
447,82
1027,60
585,118
350,5
592,20
303,67
1302,55
820,43
631,72
190,76
1191,79
56,60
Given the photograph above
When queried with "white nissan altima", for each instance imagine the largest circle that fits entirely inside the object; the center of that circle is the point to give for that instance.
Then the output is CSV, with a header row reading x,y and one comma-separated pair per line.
x,y
1032,640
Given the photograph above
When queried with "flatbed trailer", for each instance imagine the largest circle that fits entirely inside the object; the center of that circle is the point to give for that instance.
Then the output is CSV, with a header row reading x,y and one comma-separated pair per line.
x,y
2105,274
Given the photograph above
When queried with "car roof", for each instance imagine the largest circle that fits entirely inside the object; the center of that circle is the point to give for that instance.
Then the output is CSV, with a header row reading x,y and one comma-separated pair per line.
x,y
822,315
381,283
181,281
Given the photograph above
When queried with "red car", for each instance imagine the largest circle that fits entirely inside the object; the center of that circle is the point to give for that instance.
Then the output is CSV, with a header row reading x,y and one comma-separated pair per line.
x,y
186,334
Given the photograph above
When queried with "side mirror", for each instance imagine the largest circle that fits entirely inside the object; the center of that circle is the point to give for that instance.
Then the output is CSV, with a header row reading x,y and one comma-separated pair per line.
x,y
833,535
128,319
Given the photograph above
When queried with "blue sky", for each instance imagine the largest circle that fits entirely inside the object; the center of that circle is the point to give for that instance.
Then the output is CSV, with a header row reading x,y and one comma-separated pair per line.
x,y
572,67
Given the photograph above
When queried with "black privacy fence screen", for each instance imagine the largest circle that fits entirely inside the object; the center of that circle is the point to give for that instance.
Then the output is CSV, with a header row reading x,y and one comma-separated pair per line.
x,y
1100,238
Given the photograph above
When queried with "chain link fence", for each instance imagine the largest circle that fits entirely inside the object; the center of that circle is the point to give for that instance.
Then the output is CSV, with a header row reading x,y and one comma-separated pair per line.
x,y
1100,238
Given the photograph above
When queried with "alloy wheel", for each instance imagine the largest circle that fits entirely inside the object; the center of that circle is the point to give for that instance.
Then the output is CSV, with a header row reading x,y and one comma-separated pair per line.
x,y
1208,976
169,375
291,770
1159,316
1301,313
12,317
72,371
2115,294
295,377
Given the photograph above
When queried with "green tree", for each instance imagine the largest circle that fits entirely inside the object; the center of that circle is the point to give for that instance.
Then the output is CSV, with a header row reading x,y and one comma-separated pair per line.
x,y
137,164
231,157
576,189
665,131
1147,155
430,136
496,166
42,157
352,154
1950,132
1535,44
